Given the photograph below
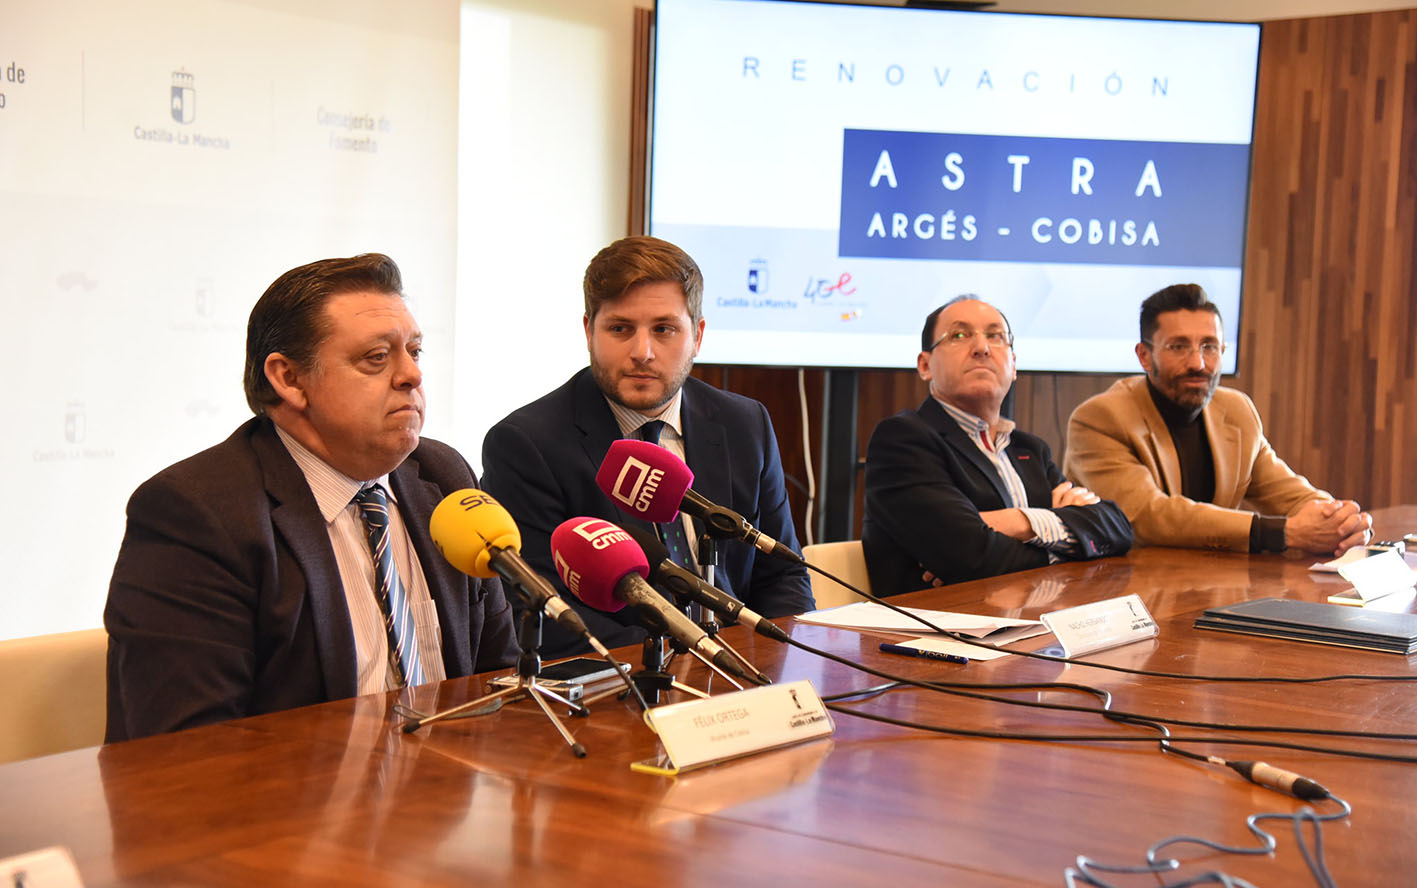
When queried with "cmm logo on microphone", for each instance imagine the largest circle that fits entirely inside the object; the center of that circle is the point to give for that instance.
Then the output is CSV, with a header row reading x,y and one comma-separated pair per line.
x,y
600,533
636,485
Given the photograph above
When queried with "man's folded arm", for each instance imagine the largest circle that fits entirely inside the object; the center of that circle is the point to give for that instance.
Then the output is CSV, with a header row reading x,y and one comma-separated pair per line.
x,y
911,495
1093,527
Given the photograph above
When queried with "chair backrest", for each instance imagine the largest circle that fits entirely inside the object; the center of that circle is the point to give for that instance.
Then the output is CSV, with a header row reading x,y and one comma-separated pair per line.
x,y
53,694
842,559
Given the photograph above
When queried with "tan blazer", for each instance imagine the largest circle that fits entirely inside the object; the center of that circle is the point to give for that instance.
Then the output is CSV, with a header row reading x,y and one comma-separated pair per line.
x,y
1120,448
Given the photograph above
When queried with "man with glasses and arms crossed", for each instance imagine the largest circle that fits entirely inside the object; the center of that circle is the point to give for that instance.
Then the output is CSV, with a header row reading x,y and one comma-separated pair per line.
x,y
954,491
1187,458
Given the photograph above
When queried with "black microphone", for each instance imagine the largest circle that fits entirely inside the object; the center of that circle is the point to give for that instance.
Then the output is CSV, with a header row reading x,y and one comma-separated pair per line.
x,y
604,568
687,584
649,482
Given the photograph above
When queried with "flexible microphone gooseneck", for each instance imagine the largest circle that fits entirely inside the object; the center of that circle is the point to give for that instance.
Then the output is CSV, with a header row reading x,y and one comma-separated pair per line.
x,y
684,583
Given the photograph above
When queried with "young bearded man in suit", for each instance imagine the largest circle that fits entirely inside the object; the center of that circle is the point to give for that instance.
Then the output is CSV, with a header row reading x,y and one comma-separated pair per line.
x,y
292,563
643,325
954,491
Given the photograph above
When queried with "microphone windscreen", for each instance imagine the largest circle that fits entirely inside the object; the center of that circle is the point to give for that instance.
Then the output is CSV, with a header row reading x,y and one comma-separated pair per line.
x,y
592,556
466,525
644,479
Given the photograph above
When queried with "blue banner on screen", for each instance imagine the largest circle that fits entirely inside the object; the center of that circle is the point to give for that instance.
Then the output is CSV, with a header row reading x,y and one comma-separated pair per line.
x,y
1012,198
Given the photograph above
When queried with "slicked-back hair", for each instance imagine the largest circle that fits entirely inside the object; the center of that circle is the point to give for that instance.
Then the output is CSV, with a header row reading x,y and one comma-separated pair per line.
x,y
1177,297
636,260
927,333
289,318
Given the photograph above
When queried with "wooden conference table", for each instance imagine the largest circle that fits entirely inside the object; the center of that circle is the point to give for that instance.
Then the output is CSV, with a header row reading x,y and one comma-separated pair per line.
x,y
337,795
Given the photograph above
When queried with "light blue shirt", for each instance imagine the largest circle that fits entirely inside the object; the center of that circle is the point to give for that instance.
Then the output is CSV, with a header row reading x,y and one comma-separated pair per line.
x,y
1049,531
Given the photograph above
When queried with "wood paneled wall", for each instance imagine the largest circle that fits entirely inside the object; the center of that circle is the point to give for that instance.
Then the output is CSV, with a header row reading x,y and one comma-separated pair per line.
x,y
1330,298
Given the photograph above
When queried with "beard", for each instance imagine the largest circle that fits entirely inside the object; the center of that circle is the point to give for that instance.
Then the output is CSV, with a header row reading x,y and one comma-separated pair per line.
x,y
1191,397
645,396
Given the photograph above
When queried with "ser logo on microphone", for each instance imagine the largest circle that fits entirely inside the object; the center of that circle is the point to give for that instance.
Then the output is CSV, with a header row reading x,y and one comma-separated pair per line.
x,y
475,498
636,484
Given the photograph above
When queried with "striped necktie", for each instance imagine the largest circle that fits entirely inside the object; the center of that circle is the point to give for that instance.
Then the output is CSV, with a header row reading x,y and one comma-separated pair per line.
x,y
393,599
671,533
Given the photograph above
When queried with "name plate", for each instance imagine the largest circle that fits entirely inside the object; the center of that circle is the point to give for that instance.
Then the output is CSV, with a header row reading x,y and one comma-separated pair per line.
x,y
1101,625
701,732
1378,575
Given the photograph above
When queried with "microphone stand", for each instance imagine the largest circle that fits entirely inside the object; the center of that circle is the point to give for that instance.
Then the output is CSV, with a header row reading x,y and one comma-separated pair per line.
x,y
708,620
708,561
653,678
528,668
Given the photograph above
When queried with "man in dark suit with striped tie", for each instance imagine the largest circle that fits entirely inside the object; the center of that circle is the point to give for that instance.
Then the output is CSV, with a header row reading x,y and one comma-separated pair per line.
x,y
292,563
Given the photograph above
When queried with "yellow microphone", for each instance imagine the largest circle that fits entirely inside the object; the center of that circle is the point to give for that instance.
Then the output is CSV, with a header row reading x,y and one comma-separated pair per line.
x,y
469,527
478,537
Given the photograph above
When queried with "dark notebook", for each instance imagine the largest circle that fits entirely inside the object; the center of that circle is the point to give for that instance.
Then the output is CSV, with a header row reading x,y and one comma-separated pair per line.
x,y
1338,624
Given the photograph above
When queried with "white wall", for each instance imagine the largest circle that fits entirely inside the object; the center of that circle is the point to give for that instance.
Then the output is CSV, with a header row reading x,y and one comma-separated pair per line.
x,y
135,236
543,183
129,266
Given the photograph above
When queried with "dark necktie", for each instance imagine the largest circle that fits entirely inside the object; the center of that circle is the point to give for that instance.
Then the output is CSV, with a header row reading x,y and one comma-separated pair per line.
x,y
671,533
393,599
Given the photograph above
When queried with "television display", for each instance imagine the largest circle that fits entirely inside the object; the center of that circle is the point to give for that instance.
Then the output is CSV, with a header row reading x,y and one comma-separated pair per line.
x,y
838,171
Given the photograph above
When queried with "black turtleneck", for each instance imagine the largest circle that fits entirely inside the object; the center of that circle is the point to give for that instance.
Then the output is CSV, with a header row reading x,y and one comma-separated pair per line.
x,y
1198,466
1192,446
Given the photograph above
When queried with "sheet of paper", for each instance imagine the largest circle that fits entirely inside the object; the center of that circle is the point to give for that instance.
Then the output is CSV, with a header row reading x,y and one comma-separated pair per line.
x,y
1379,575
869,615
1357,553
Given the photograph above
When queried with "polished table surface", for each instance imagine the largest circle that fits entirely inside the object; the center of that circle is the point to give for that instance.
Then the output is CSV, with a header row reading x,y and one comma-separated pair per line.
x,y
336,794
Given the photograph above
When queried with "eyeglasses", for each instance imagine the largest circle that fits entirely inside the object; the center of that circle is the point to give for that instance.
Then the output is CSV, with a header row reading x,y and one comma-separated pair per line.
x,y
965,335
1182,349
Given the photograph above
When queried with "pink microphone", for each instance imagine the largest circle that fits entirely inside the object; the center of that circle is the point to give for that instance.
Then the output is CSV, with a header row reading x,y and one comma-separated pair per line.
x,y
644,479
649,482
592,556
606,569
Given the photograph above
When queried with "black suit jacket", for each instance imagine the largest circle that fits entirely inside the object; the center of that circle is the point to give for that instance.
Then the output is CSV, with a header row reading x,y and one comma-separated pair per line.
x,y
927,482
226,600
540,463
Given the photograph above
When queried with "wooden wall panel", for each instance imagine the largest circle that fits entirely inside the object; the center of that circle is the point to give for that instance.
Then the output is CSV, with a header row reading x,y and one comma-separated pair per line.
x,y
1330,301
643,49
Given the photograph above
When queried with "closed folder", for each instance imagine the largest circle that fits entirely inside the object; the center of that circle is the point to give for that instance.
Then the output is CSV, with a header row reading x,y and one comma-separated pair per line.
x,y
1309,621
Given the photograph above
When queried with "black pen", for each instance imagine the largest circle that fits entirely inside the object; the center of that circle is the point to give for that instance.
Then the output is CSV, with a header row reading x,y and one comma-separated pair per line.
x,y
921,652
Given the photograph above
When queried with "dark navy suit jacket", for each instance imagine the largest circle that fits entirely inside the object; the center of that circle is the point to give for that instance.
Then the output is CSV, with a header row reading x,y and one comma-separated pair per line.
x,y
540,463
927,482
226,600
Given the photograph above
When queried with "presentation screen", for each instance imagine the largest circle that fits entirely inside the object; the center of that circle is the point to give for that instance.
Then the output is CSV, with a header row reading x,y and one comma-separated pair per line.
x,y
839,171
